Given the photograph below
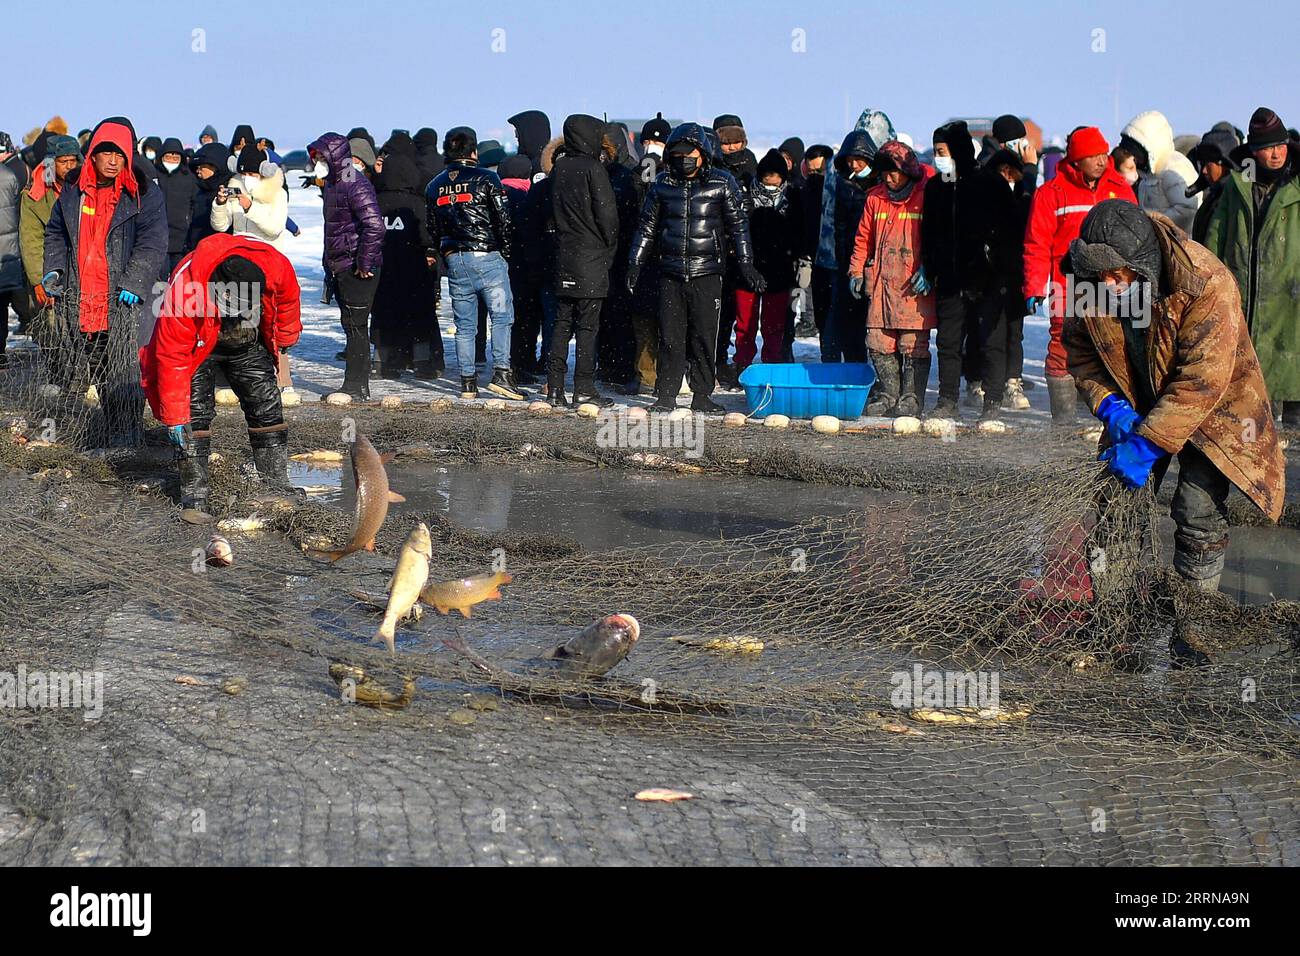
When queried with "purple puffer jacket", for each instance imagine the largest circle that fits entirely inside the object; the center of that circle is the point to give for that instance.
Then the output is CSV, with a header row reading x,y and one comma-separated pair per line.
x,y
354,228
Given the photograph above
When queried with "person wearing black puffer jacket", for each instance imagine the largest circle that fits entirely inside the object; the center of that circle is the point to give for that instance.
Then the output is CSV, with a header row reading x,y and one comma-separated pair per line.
x,y
952,253
693,214
470,225
586,228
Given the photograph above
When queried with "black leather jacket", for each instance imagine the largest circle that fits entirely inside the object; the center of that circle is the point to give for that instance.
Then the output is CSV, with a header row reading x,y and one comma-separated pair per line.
x,y
468,210
691,221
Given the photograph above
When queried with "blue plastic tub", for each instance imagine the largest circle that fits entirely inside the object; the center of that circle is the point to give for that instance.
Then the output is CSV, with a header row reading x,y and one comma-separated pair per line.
x,y
803,390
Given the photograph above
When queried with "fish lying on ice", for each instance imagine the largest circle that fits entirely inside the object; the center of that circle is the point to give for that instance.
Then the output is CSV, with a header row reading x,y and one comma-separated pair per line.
x,y
600,646
358,687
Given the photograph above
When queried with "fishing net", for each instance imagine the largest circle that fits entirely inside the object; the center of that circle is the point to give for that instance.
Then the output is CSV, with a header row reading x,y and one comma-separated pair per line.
x,y
82,389
972,667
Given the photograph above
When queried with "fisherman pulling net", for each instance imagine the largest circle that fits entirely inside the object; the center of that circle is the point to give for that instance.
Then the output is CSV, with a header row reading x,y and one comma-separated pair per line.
x,y
1000,606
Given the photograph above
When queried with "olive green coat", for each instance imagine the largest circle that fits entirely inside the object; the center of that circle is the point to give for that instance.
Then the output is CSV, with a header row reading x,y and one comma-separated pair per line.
x,y
1270,287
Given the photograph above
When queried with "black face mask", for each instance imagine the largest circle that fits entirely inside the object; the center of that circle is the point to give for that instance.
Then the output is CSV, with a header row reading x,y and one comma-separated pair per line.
x,y
682,164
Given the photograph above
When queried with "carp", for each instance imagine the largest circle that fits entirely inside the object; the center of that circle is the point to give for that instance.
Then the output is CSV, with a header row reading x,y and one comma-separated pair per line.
x,y
463,593
410,575
373,498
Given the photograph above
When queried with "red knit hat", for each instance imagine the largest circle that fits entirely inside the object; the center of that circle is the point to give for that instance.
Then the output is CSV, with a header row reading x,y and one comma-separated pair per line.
x,y
1084,142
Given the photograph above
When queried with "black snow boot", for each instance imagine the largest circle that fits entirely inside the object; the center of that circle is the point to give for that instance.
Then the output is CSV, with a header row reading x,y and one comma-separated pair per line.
x,y
591,397
885,400
469,386
503,384
555,397
193,460
1064,398
702,403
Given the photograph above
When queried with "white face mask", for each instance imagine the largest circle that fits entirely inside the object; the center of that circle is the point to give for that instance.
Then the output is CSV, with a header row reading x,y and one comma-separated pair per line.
x,y
862,173
654,149
1131,178
171,167
250,182
359,167
321,169
150,155
946,165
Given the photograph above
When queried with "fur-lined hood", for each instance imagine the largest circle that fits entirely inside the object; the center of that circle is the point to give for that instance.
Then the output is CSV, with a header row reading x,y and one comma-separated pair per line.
x,y
548,154
267,187
1152,131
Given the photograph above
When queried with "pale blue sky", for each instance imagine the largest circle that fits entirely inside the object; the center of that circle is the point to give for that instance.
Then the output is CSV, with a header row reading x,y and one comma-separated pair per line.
x,y
295,70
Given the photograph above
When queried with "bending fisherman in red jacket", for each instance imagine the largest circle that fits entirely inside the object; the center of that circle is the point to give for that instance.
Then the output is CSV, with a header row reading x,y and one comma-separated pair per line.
x,y
233,304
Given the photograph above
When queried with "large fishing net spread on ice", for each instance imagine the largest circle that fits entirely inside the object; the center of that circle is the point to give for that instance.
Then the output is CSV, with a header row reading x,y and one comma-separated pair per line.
x,y
974,667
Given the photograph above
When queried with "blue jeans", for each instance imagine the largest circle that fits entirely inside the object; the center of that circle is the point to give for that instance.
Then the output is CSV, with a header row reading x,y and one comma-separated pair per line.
x,y
471,277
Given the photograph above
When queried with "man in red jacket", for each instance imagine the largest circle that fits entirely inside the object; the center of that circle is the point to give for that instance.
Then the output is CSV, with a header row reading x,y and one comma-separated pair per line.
x,y
1086,177
232,304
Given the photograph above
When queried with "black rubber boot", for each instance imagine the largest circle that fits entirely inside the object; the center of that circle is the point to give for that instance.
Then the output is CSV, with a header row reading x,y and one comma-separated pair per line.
x,y
908,406
555,397
1064,398
920,379
193,461
885,401
271,458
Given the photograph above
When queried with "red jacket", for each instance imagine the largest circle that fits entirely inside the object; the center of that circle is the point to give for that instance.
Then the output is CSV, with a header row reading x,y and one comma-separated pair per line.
x,y
1058,210
187,325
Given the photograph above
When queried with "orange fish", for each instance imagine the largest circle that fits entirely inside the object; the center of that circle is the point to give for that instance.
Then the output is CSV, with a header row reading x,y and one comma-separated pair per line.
x,y
463,593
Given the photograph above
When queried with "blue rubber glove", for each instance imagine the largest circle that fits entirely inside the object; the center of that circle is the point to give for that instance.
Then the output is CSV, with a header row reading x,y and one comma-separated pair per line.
x,y
855,286
52,283
1119,417
128,298
920,284
1132,460
176,435
1032,304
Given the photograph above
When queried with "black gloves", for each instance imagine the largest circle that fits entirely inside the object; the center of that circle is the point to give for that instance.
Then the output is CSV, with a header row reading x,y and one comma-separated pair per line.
x,y
633,273
753,278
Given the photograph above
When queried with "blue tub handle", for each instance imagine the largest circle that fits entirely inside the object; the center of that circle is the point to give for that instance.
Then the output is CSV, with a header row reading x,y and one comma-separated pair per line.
x,y
768,394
